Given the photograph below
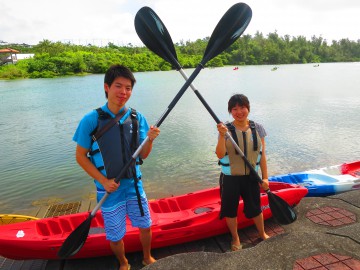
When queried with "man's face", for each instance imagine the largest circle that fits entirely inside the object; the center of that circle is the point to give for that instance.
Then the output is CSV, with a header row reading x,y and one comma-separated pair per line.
x,y
119,92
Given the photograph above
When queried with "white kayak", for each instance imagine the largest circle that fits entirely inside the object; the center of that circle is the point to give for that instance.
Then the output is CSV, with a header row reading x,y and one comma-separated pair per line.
x,y
325,181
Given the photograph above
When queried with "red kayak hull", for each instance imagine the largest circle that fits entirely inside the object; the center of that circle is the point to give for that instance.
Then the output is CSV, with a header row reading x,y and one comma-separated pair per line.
x,y
176,220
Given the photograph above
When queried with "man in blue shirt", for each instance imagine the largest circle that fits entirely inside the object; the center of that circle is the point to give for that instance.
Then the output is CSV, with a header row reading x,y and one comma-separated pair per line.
x,y
107,157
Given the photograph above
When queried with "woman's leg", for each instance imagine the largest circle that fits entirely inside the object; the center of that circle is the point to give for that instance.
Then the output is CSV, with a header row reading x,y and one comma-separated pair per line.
x,y
259,223
232,225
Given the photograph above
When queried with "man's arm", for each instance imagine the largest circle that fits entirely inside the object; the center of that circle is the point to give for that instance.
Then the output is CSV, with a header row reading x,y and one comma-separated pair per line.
x,y
152,134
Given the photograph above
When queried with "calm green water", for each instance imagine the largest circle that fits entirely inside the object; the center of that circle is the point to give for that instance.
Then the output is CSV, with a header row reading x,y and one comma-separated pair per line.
x,y
311,114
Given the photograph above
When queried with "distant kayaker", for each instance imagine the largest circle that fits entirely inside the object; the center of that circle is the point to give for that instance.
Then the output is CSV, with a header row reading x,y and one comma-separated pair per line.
x,y
235,178
102,153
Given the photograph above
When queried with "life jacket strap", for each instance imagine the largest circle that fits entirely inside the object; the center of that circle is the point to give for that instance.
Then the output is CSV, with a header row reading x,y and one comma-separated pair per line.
x,y
96,134
232,130
134,142
253,131
91,153
134,145
223,164
138,192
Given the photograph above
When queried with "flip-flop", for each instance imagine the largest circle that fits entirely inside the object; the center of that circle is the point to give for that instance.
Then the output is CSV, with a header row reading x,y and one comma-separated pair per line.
x,y
236,247
145,263
129,266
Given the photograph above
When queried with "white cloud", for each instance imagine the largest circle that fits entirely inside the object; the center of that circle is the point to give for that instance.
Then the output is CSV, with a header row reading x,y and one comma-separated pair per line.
x,y
100,22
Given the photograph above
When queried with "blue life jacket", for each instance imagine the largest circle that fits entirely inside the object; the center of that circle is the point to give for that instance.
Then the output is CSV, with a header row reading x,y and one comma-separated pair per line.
x,y
114,148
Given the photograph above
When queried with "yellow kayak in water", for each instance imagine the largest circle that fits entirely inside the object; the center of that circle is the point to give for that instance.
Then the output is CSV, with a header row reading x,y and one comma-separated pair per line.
x,y
12,218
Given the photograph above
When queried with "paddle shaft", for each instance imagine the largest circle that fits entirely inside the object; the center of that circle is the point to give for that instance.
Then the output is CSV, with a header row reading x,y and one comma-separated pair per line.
x,y
217,120
158,124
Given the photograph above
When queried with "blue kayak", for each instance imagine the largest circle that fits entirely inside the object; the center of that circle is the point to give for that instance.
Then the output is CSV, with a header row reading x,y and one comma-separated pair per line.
x,y
325,181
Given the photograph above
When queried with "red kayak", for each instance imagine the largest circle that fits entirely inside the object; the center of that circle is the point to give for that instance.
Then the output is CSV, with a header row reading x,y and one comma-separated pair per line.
x,y
176,220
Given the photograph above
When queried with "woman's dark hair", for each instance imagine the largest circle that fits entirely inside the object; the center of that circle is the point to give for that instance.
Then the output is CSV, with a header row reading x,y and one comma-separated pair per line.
x,y
238,99
116,71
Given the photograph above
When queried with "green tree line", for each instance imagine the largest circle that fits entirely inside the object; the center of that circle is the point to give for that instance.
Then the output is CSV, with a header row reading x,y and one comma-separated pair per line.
x,y
54,59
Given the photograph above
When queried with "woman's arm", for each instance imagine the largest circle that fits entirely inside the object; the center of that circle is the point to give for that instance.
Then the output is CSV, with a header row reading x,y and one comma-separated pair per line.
x,y
221,147
263,166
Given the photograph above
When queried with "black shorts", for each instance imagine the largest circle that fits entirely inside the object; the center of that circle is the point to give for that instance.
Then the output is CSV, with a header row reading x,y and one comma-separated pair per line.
x,y
234,187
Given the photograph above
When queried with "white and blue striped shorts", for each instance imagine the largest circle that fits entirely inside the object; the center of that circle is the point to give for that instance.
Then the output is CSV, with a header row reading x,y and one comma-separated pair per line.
x,y
121,204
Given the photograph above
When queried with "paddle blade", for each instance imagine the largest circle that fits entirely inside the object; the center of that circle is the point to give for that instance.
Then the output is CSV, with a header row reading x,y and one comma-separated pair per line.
x,y
155,36
280,209
228,30
75,240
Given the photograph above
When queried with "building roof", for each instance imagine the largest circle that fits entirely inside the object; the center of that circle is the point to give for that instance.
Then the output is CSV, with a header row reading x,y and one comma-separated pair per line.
x,y
8,50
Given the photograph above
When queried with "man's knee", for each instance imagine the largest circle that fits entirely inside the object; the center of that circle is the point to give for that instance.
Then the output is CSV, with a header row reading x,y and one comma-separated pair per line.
x,y
145,230
116,243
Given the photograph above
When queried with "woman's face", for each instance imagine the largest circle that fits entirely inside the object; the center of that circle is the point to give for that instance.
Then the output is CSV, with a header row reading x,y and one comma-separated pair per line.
x,y
240,113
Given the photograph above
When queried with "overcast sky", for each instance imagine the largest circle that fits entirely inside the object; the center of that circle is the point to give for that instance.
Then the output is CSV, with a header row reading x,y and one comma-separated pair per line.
x,y
102,21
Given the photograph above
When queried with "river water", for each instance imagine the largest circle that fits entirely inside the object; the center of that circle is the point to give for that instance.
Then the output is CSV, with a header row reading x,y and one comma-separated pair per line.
x,y
311,115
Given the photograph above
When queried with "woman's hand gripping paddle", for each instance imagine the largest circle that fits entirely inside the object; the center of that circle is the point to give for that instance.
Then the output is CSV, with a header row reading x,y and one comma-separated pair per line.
x,y
155,36
226,32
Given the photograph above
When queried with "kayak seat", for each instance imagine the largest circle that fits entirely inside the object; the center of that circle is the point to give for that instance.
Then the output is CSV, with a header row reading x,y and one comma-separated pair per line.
x,y
321,179
332,170
48,228
165,206
60,225
297,179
